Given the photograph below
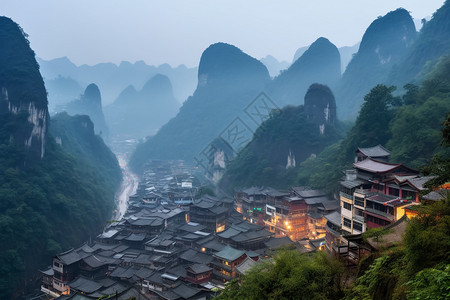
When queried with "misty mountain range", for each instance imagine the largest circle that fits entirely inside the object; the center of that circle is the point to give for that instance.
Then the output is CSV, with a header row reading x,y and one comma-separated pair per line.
x,y
389,48
65,81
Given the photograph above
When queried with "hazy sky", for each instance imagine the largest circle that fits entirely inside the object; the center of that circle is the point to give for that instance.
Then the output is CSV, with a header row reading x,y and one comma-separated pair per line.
x,y
177,32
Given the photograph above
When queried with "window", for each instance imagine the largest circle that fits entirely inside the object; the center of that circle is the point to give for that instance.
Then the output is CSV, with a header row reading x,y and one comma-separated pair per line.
x,y
347,223
359,201
378,221
393,191
347,206
357,226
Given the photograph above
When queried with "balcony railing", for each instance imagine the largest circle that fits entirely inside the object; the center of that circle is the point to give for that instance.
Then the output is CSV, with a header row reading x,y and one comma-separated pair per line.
x,y
380,213
359,218
347,196
332,231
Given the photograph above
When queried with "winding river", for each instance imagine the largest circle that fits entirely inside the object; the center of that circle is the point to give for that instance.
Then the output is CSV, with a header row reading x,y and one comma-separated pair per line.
x,y
127,188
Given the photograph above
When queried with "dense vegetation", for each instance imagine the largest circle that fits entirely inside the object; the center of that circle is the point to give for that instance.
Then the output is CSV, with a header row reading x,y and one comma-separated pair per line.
x,y
383,45
76,136
58,203
290,130
391,121
418,268
291,275
431,44
48,203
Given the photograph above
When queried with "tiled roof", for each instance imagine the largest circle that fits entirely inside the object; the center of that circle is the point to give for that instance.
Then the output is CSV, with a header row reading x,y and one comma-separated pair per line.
x,y
350,184
334,217
306,192
199,268
376,151
375,166
437,195
229,253
244,266
274,242
85,285
419,182
251,235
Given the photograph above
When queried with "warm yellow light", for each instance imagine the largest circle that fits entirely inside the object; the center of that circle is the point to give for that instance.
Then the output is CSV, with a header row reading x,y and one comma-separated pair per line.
x,y
289,226
286,223
203,249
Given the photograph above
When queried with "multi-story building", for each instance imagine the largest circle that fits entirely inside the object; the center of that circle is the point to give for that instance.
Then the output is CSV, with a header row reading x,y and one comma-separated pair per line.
x,y
210,212
288,217
225,262
374,193
377,194
251,203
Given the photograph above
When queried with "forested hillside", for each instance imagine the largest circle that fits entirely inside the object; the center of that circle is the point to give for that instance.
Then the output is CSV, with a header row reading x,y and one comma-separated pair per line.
x,y
294,131
50,198
410,126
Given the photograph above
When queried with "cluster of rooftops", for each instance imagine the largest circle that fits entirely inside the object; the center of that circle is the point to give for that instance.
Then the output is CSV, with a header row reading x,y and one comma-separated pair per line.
x,y
162,249
170,245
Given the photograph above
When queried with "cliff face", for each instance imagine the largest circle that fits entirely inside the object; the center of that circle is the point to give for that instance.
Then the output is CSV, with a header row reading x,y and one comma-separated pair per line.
x,y
51,196
320,106
23,97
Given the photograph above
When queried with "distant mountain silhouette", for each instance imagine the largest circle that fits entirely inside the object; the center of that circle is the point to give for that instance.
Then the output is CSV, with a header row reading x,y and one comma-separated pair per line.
x,y
137,114
321,63
347,53
113,79
299,53
62,90
383,45
228,80
273,65
90,103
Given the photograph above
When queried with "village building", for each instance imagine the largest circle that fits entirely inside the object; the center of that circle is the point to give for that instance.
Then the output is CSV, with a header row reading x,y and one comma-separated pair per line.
x,y
210,212
225,263
375,193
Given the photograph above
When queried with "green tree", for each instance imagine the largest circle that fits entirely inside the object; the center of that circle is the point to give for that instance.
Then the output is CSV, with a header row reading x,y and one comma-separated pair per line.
x,y
291,275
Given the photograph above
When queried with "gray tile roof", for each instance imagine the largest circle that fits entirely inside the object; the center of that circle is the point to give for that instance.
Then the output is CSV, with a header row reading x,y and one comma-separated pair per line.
x,y
194,256
306,192
376,151
334,217
199,268
244,266
350,184
229,253
274,242
85,285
